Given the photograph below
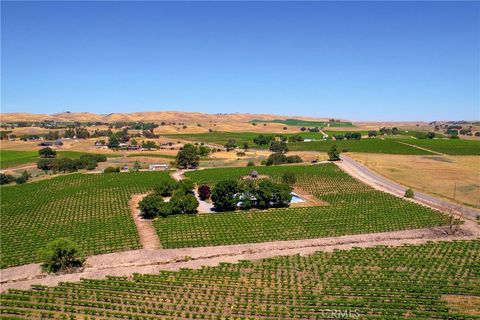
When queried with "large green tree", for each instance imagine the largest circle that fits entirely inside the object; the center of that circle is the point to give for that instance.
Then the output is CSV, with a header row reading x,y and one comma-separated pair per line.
x,y
223,195
188,157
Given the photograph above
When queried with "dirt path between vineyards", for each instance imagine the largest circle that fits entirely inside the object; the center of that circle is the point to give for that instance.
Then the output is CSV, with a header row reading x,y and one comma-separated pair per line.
x,y
421,148
148,236
153,261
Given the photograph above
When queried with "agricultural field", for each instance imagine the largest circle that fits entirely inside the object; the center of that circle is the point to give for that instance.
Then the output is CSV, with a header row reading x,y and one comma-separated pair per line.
x,y
448,146
370,145
430,281
451,177
306,123
221,138
353,208
91,209
14,158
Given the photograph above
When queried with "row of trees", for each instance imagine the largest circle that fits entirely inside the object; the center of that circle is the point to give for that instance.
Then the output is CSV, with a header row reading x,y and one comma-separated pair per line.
x,y
86,161
182,200
8,178
229,195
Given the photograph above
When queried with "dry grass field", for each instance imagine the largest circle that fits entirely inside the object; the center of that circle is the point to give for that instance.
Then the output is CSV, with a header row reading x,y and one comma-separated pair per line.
x,y
436,175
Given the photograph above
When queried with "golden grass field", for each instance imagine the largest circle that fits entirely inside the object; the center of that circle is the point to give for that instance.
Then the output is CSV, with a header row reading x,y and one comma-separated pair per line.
x,y
436,175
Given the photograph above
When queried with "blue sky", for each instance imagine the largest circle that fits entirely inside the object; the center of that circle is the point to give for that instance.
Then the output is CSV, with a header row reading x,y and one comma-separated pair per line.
x,y
355,60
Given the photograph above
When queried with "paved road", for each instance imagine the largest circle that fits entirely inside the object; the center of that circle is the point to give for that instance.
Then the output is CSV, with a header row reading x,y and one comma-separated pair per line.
x,y
398,189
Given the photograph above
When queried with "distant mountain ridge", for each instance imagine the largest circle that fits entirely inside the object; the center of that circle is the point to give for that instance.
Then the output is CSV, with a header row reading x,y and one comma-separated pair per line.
x,y
154,116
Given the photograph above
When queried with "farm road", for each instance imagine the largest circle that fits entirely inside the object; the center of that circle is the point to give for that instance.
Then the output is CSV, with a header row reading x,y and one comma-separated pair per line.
x,y
377,181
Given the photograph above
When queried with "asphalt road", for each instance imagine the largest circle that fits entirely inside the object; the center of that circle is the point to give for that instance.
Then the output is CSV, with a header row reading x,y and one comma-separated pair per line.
x,y
398,189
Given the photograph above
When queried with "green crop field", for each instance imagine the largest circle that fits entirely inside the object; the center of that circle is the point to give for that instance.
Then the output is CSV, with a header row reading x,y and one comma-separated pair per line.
x,y
91,209
13,158
353,208
306,123
406,282
221,138
449,146
373,145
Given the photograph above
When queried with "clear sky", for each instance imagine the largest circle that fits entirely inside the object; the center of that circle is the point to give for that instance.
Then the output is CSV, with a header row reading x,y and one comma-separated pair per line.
x,y
355,60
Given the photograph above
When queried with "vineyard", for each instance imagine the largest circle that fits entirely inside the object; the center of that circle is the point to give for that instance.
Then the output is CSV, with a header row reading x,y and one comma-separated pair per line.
x,y
369,145
91,209
416,282
449,146
353,208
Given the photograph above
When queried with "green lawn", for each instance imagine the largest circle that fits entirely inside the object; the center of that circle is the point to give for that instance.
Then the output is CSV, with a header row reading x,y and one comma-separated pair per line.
x,y
91,209
351,208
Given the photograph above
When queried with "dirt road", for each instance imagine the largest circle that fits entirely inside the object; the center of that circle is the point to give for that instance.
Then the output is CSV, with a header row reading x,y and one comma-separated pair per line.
x,y
152,261
379,182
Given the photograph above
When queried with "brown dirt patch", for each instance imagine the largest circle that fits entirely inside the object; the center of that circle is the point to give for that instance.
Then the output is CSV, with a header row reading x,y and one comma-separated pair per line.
x,y
148,235
464,304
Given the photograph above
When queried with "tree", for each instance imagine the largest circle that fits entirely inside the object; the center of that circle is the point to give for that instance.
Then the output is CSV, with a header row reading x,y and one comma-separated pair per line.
x,y
165,188
223,195
334,154
395,130
278,146
150,206
61,255
188,157
47,152
20,180
6,178
262,140
294,159
430,135
250,163
204,192
289,178
339,136
69,133
149,145
372,133
186,203
409,193
134,142
353,136
113,142
245,146
269,194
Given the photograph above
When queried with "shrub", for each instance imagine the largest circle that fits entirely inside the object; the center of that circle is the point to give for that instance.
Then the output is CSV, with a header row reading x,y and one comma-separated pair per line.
x,y
61,255
240,154
150,206
20,180
409,193
276,158
250,163
204,192
289,178
111,170
294,159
